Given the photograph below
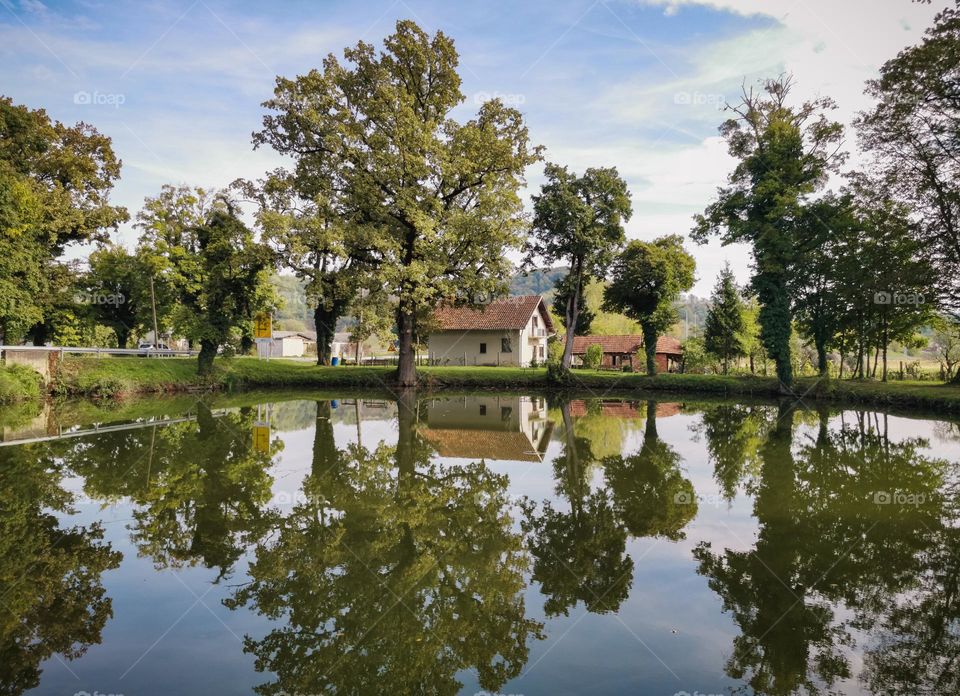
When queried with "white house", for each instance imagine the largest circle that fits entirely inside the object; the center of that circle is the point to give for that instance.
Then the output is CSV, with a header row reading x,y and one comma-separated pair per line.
x,y
289,344
511,428
508,331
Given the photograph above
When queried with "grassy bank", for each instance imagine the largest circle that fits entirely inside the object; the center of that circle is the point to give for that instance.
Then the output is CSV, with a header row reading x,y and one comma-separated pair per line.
x,y
18,383
110,377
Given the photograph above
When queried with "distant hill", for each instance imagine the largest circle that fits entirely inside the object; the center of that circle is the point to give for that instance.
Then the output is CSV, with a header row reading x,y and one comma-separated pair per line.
x,y
537,282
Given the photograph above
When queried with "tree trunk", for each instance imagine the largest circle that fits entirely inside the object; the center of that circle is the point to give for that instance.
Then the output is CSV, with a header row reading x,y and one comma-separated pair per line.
x,y
326,322
886,339
406,367
571,316
325,452
822,367
208,351
650,348
123,337
860,354
752,371
406,438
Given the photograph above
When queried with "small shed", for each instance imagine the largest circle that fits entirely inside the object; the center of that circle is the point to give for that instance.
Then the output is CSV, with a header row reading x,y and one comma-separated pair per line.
x,y
622,350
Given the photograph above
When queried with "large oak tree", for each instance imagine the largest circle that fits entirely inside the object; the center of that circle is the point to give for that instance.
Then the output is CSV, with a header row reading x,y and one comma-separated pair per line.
x,y
438,197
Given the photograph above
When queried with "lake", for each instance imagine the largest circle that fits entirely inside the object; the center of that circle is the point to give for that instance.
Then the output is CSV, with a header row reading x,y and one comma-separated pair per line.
x,y
357,543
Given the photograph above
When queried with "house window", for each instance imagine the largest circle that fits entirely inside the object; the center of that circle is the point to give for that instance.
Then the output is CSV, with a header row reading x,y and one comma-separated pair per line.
x,y
483,347
505,345
543,352
535,321
483,409
505,412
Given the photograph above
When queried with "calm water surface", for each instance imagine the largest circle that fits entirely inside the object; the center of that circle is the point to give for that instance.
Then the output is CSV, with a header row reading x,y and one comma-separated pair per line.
x,y
509,544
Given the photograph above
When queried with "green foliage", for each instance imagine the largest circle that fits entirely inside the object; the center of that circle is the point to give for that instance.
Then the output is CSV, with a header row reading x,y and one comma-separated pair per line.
x,y
912,130
580,554
298,215
651,495
725,326
593,357
18,383
578,220
50,574
537,281
55,182
375,525
856,250
810,501
117,291
211,264
437,199
784,155
648,278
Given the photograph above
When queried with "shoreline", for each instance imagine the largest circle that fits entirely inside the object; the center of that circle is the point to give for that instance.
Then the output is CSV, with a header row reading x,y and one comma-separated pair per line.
x,y
118,378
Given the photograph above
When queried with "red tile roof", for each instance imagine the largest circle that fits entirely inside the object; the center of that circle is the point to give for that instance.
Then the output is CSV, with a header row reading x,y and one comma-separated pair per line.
x,y
482,444
625,344
622,409
505,313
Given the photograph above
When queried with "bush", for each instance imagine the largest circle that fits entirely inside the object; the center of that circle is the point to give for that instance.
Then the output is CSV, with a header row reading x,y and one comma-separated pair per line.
x,y
17,383
593,357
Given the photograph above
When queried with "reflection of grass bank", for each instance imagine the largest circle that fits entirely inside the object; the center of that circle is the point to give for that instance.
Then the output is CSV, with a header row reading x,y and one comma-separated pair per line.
x,y
118,376
18,383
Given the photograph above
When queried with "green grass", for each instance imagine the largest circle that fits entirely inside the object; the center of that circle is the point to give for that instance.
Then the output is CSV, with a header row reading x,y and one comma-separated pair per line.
x,y
110,377
18,383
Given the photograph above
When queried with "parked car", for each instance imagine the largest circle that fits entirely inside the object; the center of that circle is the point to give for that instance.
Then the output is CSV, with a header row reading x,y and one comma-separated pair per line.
x,y
147,348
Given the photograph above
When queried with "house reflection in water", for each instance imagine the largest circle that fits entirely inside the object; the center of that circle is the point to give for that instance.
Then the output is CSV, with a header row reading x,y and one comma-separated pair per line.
x,y
513,428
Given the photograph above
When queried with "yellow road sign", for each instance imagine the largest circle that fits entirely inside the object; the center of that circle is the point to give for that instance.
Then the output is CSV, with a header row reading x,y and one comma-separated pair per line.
x,y
261,438
263,326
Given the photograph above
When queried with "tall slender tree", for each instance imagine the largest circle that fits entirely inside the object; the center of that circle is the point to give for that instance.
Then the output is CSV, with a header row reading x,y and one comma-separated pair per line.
x,y
299,218
785,154
578,220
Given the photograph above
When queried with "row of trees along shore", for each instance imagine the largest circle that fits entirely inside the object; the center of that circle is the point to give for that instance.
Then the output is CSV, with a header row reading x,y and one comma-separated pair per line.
x,y
391,207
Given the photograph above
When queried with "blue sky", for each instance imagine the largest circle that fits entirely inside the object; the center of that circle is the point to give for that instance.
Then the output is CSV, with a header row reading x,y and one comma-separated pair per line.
x,y
637,84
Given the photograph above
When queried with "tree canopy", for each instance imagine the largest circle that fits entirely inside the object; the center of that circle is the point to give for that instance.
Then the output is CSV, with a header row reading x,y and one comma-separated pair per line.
x,y
648,278
439,198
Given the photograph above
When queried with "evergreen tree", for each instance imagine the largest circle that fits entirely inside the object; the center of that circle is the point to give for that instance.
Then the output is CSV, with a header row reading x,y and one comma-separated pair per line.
x,y
725,327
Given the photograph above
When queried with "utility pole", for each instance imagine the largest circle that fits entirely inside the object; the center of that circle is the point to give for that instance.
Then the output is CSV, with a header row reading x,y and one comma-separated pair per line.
x,y
153,305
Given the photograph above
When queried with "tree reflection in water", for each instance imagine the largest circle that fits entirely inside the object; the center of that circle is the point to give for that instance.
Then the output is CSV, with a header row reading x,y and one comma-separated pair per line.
x,y
397,572
827,537
394,575
201,488
53,601
580,555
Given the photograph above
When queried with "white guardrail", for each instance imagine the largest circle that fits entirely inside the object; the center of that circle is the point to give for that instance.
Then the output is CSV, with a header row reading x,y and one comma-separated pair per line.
x,y
141,352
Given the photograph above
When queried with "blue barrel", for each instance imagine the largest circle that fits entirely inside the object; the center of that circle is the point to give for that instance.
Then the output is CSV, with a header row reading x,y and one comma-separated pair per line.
x,y
335,361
